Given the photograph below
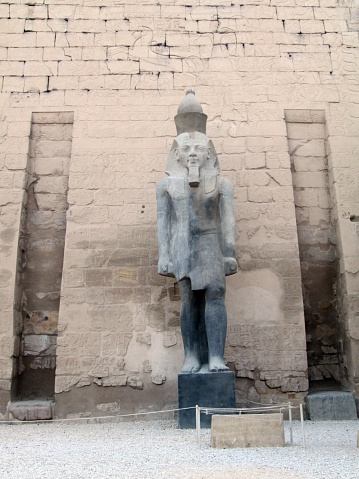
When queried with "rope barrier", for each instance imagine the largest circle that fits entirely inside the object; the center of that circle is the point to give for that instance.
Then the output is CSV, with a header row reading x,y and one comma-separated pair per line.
x,y
93,418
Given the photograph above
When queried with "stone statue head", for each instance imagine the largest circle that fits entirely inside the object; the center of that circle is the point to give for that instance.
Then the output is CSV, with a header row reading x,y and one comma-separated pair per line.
x,y
192,147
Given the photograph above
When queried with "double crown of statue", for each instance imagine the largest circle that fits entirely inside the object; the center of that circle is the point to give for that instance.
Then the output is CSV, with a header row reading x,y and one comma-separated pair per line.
x,y
191,120
190,116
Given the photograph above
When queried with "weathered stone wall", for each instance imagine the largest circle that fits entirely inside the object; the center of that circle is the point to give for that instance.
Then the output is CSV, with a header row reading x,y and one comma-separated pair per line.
x,y
317,241
42,241
122,70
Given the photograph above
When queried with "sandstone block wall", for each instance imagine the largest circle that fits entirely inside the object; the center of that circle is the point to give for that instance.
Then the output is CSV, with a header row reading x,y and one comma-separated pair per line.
x,y
121,69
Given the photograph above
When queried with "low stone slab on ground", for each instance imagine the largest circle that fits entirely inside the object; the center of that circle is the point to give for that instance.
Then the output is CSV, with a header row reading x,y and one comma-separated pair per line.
x,y
32,410
247,430
331,405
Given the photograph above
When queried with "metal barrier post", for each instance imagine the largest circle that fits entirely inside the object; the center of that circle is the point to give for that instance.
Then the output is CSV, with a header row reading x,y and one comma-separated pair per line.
x,y
290,423
302,421
198,425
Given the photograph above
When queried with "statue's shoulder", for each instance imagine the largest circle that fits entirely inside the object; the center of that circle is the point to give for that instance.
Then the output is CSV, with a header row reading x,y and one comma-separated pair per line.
x,y
225,186
162,186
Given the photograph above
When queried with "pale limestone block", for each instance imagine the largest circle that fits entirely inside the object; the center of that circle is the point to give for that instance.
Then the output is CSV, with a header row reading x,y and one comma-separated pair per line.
x,y
64,82
10,196
18,128
15,145
76,40
259,194
257,178
15,162
5,368
25,54
88,26
109,82
147,11
126,38
28,11
312,26
307,197
310,179
52,98
107,39
247,430
112,13
233,11
72,53
89,13
40,68
41,26
45,39
165,81
78,68
12,25
207,26
117,53
119,67
13,84
27,39
264,50
91,82
318,216
295,13
258,11
350,39
119,25
61,40
285,193
328,13
14,68
281,177
73,278
94,53
4,11
6,179
306,131
174,11
311,62
35,84
61,11
51,149
211,39
200,13
144,81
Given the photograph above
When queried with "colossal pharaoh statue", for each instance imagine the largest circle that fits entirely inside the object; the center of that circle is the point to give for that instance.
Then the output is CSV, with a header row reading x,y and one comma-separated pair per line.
x,y
196,236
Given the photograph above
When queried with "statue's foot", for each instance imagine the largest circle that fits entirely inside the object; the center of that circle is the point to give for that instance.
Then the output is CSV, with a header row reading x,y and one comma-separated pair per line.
x,y
191,365
217,364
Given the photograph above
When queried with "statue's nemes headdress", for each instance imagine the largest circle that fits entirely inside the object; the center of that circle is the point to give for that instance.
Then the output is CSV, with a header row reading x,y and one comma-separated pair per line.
x,y
190,119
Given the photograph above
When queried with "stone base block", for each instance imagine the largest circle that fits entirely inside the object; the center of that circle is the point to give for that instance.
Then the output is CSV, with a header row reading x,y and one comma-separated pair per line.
x,y
331,405
247,430
204,389
31,410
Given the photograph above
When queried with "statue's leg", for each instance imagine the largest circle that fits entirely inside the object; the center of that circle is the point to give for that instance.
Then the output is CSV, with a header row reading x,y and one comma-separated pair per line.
x,y
216,326
189,327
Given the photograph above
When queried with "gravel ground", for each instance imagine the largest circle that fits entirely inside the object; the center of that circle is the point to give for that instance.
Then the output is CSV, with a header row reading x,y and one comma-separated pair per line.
x,y
157,449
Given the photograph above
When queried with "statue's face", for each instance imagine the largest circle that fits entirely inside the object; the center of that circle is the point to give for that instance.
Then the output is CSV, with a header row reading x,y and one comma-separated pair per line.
x,y
193,152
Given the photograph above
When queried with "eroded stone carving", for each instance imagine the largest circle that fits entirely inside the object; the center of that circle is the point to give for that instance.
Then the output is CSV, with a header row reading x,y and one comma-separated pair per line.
x,y
196,236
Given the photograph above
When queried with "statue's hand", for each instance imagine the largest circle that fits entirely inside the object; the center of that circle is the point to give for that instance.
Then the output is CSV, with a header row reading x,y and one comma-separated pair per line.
x,y
165,267
230,266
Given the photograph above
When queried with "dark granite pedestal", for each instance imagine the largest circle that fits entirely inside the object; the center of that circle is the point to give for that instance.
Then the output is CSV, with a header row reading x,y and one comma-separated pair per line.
x,y
204,389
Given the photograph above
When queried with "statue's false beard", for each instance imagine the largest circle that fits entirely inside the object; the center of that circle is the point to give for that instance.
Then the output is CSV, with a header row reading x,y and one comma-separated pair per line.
x,y
193,175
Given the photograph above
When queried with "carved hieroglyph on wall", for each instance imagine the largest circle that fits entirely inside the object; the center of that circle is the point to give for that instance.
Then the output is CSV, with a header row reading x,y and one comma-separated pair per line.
x,y
259,339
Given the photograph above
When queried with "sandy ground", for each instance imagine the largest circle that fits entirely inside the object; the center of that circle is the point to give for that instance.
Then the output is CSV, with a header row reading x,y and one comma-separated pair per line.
x,y
157,449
